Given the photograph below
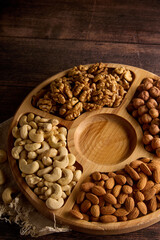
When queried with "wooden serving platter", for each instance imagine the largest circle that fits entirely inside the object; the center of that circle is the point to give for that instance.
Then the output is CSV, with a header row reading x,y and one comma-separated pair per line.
x,y
103,140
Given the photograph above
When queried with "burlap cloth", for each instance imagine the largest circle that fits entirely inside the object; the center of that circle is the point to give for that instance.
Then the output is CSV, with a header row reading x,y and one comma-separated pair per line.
x,y
20,211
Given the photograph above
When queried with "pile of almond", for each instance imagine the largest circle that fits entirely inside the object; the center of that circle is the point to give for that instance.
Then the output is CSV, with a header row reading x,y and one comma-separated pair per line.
x,y
120,196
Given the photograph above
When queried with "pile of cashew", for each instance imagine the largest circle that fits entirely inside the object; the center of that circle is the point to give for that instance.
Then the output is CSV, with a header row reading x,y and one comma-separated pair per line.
x,y
46,165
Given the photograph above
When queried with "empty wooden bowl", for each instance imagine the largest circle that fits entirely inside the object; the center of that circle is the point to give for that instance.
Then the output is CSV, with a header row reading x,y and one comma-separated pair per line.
x,y
103,140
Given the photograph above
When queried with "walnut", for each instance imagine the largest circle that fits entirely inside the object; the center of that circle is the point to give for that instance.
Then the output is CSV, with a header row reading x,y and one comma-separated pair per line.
x,y
44,104
91,106
74,112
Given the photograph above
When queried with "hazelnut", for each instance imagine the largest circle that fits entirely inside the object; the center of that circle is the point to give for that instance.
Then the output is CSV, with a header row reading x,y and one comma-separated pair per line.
x,y
142,109
140,120
135,113
155,143
158,152
154,92
157,84
147,80
140,88
147,139
144,95
146,118
151,103
146,132
130,107
145,126
156,121
149,148
154,113
137,102
158,99
154,129
147,86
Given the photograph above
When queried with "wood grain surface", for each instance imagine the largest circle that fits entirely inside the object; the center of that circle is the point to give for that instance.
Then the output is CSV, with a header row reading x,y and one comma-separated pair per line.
x,y
41,38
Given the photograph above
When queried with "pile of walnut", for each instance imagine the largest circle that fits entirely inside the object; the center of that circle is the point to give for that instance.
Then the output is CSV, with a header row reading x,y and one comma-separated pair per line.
x,y
145,108
46,165
84,88
122,195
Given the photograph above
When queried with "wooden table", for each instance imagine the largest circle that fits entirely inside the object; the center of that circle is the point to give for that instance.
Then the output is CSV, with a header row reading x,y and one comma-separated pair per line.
x,y
40,38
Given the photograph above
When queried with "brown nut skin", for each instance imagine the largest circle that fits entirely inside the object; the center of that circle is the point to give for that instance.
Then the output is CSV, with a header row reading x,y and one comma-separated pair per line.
x,y
158,152
147,139
147,80
146,118
154,129
144,95
156,121
154,113
154,92
137,102
135,113
155,143
151,103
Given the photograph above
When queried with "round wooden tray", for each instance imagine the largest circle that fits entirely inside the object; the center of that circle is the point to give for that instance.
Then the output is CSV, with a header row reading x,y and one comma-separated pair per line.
x,y
103,140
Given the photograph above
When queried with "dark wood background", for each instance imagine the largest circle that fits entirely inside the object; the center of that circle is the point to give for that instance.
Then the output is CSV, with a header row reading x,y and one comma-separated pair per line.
x,y
42,37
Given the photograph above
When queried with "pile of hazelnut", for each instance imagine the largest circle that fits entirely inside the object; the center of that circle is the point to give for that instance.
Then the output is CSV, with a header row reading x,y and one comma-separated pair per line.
x,y
145,107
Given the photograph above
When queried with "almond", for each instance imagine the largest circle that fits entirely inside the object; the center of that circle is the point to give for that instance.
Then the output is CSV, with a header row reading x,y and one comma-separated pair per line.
x,y
129,180
145,169
156,175
96,176
76,207
111,174
142,181
92,198
139,196
142,207
157,187
110,183
124,218
120,179
116,190
133,214
104,177
98,190
134,175
107,210
94,219
110,198
80,197
101,201
108,218
87,186
100,183
145,160
95,210
127,189
149,185
135,164
121,212
158,197
148,194
118,205
122,197
85,206
129,204
76,214
152,205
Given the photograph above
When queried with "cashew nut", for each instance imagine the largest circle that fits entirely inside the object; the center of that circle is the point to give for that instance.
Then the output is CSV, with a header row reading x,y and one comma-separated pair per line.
x,y
48,184
30,117
32,155
23,154
7,195
40,191
32,147
43,171
72,159
41,184
41,165
23,120
48,192
16,151
62,152
57,191
64,195
19,142
45,126
54,176
52,152
63,131
47,161
36,137
62,163
54,122
37,119
77,175
66,188
44,120
55,143
28,168
3,156
24,131
54,204
44,147
33,124
32,180
68,176
2,177
72,168
15,132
